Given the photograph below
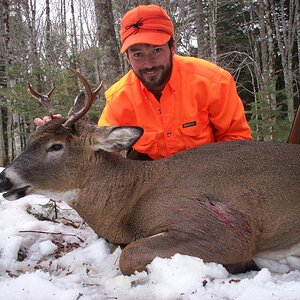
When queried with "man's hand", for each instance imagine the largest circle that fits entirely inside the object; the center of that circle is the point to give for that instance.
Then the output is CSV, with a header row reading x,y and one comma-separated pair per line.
x,y
39,122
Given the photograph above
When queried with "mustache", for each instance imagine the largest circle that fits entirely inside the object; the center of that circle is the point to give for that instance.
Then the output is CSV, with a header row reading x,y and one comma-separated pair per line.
x,y
151,69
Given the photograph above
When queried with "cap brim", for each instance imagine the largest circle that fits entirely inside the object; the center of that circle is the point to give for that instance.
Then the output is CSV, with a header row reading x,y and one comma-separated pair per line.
x,y
148,37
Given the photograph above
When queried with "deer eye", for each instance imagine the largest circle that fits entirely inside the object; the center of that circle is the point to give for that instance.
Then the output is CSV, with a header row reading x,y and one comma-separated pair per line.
x,y
55,147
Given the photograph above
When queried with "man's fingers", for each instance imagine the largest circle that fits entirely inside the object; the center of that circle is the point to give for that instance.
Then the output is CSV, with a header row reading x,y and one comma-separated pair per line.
x,y
41,121
38,122
46,119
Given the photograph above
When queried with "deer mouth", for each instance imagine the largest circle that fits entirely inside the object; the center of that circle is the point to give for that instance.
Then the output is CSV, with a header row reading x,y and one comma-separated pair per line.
x,y
16,194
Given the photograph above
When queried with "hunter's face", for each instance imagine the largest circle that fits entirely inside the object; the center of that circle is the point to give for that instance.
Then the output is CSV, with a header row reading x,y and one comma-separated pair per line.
x,y
151,64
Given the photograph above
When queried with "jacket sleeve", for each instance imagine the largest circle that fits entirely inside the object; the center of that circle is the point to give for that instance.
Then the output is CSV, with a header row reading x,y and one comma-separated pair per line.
x,y
226,111
107,117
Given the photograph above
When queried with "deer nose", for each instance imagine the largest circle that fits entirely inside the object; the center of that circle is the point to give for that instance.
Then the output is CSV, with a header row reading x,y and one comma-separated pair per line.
x,y
5,183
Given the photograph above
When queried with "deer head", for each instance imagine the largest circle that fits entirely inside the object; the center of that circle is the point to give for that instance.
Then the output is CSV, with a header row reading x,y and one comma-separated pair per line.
x,y
63,146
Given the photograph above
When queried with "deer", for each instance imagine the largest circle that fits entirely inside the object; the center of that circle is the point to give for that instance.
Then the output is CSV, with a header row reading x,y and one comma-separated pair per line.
x,y
226,202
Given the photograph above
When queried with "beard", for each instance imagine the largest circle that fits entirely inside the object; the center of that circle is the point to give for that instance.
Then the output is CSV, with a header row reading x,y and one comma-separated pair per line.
x,y
155,78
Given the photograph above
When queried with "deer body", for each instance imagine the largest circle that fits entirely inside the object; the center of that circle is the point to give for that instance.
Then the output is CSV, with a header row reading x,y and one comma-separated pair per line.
x,y
225,202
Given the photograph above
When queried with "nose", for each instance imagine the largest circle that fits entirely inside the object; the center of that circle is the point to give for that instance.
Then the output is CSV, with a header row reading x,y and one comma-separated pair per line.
x,y
5,183
149,61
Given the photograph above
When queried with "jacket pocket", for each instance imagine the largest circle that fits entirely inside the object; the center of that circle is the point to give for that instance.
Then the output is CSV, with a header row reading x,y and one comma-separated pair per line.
x,y
192,130
192,135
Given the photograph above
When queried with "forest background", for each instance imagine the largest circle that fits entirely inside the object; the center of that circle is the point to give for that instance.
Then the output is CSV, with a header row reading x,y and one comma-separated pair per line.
x,y
258,41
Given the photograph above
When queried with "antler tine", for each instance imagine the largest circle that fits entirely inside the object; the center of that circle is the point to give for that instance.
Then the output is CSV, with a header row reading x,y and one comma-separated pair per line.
x,y
51,91
97,90
44,99
88,102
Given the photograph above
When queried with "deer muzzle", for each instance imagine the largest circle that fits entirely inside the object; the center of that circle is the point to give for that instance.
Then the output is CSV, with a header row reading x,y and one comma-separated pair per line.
x,y
11,192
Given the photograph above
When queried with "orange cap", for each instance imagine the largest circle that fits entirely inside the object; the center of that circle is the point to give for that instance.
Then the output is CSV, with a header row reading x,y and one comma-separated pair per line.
x,y
145,24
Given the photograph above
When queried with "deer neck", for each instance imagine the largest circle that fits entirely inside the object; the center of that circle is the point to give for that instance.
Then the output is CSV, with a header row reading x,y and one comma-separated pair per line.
x,y
106,199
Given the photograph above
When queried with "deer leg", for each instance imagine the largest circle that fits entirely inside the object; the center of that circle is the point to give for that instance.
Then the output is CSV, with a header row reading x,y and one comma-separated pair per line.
x,y
138,254
242,267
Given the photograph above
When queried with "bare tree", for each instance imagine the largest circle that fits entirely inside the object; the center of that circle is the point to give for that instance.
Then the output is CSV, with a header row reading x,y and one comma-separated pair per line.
x,y
4,25
48,41
286,31
110,66
212,24
297,17
202,41
74,36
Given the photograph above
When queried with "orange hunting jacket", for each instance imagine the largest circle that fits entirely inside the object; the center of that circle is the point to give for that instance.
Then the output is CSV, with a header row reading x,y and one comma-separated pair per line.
x,y
199,105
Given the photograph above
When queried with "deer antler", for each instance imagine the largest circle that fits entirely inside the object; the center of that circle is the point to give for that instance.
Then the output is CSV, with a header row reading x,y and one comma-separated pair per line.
x,y
88,100
44,99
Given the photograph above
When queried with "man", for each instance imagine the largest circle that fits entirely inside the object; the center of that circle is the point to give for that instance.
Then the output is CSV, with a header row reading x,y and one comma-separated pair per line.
x,y
181,102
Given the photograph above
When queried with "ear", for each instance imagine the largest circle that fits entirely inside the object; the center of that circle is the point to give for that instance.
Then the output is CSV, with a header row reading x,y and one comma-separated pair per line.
x,y
127,57
173,49
115,138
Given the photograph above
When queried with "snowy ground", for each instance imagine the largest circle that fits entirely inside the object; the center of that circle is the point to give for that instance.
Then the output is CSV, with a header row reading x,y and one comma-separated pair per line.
x,y
48,254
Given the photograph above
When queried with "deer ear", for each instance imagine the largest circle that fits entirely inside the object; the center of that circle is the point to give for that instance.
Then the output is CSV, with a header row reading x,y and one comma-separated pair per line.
x,y
116,138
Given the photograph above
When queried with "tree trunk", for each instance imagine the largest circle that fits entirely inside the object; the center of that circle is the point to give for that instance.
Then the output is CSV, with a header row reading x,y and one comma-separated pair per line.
x,y
213,9
110,67
48,32
4,41
285,35
200,27
3,136
74,37
267,62
297,20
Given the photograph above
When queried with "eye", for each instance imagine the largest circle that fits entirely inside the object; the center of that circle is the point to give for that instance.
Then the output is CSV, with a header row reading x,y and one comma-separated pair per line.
x,y
157,50
55,147
137,55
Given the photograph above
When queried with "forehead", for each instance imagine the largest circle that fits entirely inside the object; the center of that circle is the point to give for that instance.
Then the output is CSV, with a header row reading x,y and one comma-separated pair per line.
x,y
49,131
145,47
